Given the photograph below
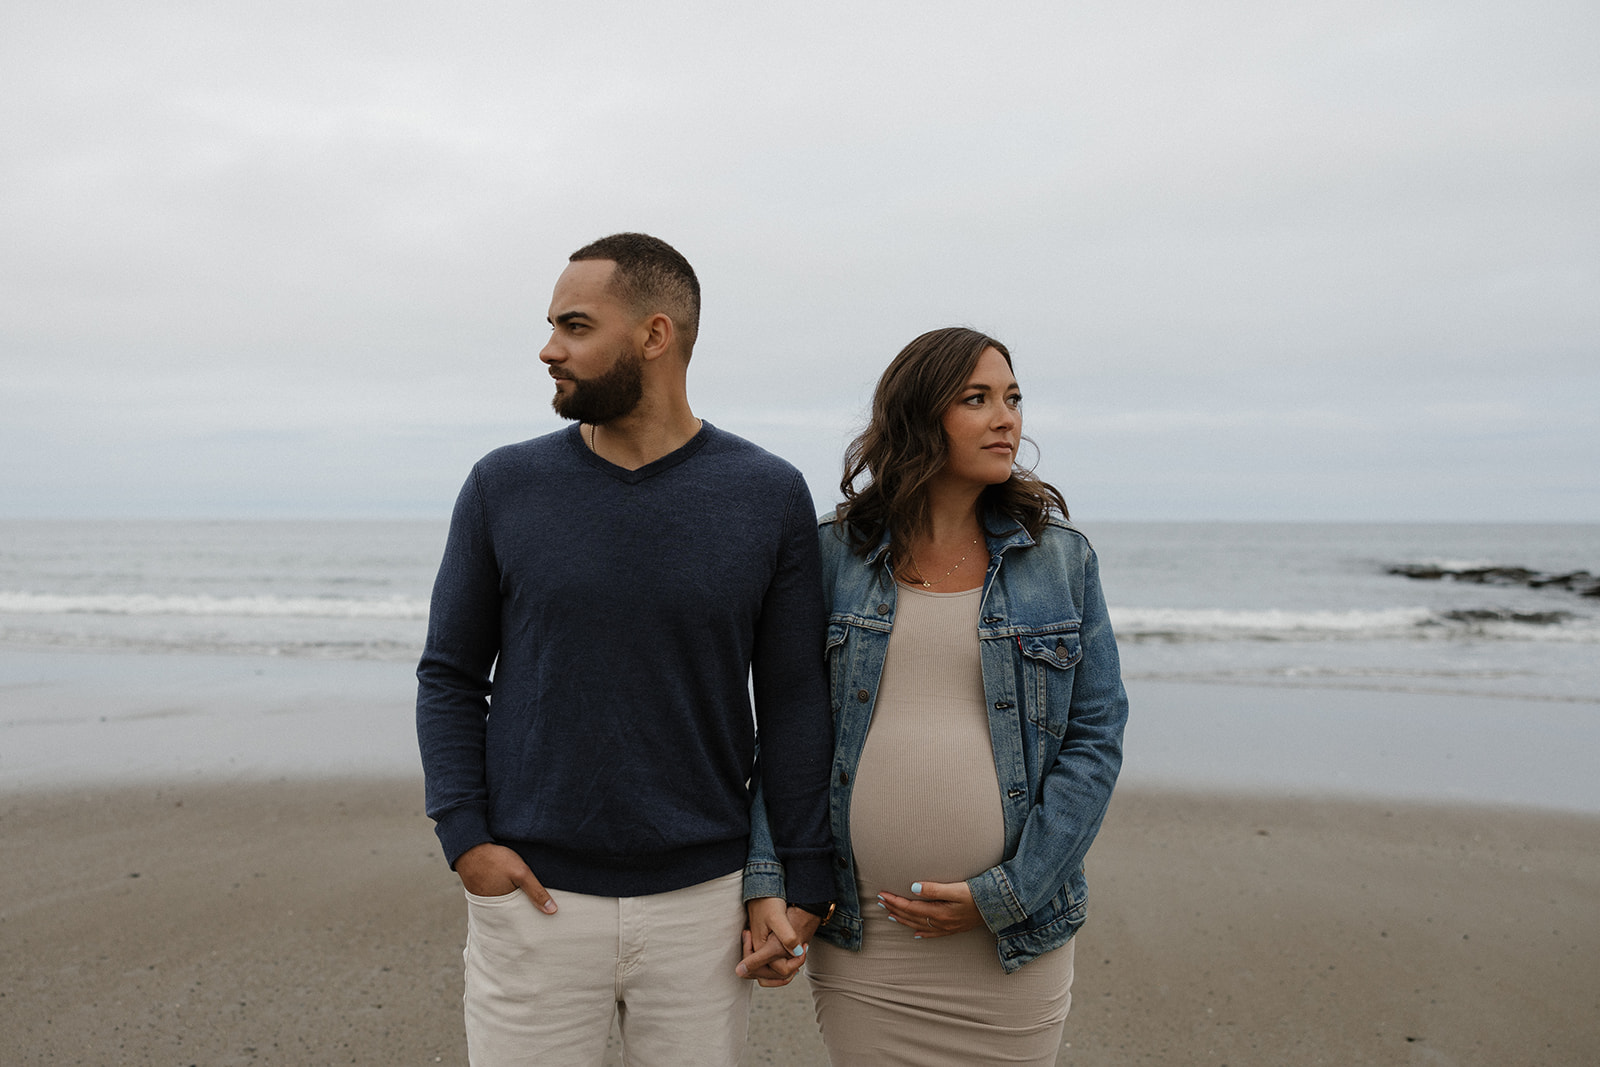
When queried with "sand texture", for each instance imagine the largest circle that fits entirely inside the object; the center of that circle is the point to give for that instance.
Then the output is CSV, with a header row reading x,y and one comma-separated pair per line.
x,y
315,923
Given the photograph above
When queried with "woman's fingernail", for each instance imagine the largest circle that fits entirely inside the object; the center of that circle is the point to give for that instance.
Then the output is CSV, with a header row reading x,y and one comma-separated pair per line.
x,y
916,887
893,919
882,905
799,950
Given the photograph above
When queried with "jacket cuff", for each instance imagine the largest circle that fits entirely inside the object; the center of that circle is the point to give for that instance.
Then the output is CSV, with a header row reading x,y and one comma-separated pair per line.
x,y
763,878
460,830
995,899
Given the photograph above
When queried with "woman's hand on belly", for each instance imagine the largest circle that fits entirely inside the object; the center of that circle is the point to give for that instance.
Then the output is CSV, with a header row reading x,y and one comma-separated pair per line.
x,y
934,909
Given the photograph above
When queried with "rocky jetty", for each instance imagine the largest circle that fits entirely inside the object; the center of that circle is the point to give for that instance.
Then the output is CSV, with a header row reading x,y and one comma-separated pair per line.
x,y
1535,618
1581,582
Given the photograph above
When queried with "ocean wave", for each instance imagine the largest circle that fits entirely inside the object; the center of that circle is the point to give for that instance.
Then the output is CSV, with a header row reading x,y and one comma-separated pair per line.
x,y
1416,623
200,606
1441,684
1135,624
213,644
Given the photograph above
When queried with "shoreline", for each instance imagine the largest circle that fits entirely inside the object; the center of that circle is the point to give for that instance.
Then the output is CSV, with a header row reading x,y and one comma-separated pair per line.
x,y
140,720
295,921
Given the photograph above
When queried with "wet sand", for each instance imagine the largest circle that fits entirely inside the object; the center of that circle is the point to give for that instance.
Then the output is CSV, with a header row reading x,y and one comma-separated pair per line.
x,y
293,922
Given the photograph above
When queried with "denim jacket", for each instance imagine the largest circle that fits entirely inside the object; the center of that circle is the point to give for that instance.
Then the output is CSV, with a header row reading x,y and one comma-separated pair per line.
x,y
1056,712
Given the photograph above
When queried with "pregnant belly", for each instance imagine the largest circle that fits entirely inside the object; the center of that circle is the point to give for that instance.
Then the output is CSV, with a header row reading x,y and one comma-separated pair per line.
x,y
926,803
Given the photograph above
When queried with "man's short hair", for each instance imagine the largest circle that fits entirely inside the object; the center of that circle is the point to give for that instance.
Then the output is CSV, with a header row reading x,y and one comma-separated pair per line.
x,y
651,276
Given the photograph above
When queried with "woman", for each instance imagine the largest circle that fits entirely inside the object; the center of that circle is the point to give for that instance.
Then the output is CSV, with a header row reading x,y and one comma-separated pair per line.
x,y
978,715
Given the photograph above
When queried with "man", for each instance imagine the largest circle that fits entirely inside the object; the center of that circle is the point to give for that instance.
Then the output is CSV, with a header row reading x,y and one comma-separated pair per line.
x,y
625,580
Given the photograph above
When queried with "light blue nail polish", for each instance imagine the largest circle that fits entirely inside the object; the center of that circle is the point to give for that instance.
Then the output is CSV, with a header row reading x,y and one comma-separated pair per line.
x,y
916,887
882,905
799,950
893,919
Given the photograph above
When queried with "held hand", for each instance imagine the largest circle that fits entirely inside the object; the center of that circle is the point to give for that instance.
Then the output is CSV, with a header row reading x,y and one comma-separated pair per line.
x,y
775,942
769,942
490,870
934,909
778,970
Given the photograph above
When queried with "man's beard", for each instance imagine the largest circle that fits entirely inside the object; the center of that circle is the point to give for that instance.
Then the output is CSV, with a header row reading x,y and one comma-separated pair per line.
x,y
605,398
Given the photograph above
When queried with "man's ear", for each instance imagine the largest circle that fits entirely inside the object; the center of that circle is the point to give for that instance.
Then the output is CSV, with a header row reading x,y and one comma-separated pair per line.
x,y
659,332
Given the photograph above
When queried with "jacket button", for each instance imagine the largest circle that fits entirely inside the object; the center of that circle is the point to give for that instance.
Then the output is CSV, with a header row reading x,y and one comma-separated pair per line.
x,y
992,618
862,695
844,864
1013,793
1061,648
883,609
1001,705
844,777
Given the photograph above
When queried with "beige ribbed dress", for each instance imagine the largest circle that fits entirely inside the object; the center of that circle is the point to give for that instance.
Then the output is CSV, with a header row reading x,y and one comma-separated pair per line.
x,y
926,808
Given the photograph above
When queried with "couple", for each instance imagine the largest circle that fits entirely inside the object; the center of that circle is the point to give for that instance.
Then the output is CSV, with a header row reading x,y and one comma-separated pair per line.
x,y
937,701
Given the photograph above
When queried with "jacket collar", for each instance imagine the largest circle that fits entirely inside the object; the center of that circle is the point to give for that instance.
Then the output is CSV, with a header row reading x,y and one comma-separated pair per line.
x,y
1000,531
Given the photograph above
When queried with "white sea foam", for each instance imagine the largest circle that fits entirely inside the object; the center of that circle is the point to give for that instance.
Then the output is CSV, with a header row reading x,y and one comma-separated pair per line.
x,y
1453,565
1206,624
1172,624
258,606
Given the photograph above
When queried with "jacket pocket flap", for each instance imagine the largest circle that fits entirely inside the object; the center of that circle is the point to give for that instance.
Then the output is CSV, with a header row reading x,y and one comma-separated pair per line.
x,y
837,632
1060,650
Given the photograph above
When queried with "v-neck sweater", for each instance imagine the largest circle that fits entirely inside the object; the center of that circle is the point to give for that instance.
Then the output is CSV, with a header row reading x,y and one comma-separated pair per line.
x,y
594,639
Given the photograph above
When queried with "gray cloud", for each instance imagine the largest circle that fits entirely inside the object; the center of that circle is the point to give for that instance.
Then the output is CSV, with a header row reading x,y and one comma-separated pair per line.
x,y
1336,260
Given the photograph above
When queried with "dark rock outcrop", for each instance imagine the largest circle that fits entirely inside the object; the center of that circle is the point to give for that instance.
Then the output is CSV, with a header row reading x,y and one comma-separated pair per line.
x,y
1581,582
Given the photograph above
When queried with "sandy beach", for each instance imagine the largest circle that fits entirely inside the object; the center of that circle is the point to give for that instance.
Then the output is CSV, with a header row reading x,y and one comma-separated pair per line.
x,y
294,922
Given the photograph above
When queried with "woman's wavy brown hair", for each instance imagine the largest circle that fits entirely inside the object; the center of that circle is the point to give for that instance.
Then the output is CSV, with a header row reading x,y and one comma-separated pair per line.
x,y
904,446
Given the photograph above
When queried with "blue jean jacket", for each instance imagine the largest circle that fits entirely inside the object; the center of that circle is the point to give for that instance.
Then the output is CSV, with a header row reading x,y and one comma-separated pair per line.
x,y
1056,712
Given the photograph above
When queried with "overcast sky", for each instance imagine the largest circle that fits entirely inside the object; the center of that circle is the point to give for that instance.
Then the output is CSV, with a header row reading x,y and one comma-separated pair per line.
x,y
1325,260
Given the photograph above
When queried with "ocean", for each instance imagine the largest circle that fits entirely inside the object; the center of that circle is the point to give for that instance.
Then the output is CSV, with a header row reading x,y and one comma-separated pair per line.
x,y
1338,657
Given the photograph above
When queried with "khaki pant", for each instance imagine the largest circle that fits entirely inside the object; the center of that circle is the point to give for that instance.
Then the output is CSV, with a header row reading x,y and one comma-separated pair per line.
x,y
544,988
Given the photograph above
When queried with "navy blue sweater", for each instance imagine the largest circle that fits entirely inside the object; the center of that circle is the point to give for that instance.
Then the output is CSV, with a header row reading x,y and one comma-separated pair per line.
x,y
624,616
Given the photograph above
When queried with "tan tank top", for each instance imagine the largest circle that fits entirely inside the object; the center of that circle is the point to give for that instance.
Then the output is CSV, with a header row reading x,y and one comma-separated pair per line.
x,y
926,803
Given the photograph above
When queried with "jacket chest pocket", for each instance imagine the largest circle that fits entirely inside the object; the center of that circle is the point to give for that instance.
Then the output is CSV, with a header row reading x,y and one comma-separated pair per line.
x,y
1049,658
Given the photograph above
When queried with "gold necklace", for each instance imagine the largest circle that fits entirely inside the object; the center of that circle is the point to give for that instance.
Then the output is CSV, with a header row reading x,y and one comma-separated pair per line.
x,y
929,585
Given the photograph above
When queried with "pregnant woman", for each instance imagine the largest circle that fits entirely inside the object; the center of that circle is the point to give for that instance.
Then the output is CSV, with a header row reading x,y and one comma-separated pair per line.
x,y
978,715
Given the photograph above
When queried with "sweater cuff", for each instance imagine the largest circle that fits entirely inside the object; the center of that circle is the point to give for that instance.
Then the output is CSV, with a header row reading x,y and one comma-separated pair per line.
x,y
810,878
460,830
